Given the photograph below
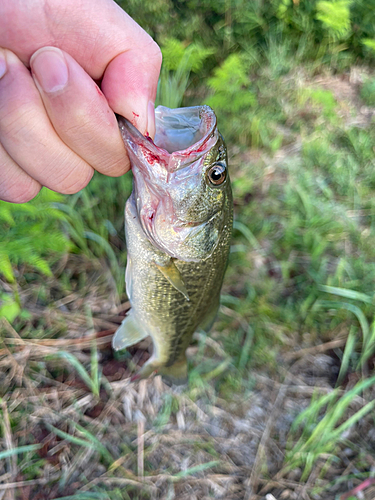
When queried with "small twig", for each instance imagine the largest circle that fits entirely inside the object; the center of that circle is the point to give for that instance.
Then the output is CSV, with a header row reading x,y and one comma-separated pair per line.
x,y
252,482
353,492
140,444
333,344
22,484
12,461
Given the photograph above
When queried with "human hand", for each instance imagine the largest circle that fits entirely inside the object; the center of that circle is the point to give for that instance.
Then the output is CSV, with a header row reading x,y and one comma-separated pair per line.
x,y
56,125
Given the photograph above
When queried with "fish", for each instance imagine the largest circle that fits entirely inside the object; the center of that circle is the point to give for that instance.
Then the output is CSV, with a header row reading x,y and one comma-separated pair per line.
x,y
178,225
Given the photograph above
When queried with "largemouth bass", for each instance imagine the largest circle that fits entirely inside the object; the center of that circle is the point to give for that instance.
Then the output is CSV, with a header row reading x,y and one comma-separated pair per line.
x,y
178,224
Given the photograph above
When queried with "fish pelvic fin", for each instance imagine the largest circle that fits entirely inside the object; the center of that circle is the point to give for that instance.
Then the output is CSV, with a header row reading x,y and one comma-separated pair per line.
x,y
173,275
128,333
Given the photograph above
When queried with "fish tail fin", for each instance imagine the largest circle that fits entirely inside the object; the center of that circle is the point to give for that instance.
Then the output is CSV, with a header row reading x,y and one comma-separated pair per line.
x,y
175,374
146,370
128,333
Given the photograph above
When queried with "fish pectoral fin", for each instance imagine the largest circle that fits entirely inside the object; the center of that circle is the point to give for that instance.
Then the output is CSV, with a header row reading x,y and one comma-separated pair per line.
x,y
128,333
173,275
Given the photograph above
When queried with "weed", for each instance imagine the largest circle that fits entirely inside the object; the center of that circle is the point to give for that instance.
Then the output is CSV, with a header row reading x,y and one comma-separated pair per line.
x,y
92,380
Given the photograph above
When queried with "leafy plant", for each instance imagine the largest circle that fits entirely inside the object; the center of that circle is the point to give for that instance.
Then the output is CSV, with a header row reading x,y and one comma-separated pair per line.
x,y
92,379
18,226
232,97
88,441
335,17
323,424
368,90
179,61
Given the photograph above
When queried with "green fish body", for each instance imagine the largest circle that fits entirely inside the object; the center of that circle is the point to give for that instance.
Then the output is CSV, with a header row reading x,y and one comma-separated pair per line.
x,y
178,224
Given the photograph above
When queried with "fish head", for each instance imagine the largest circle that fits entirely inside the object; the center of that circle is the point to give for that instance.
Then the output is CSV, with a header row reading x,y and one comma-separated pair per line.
x,y
181,183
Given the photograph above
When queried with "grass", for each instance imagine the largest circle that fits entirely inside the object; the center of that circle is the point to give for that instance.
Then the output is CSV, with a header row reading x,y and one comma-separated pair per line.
x,y
281,391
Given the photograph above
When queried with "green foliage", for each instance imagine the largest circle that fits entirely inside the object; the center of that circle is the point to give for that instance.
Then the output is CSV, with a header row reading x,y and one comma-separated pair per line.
x,y
9,307
322,426
335,17
231,86
232,97
248,26
175,53
19,225
323,100
369,43
88,441
368,91
93,219
92,379
19,450
178,62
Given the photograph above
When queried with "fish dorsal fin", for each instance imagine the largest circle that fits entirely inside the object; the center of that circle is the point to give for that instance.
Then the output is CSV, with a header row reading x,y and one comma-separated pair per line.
x,y
173,275
128,333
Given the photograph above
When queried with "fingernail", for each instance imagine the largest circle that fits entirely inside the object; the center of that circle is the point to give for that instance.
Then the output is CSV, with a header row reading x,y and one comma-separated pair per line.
x,y
151,119
3,64
49,69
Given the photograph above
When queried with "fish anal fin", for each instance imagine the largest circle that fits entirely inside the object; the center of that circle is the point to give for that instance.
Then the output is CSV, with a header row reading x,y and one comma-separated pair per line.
x,y
173,275
128,333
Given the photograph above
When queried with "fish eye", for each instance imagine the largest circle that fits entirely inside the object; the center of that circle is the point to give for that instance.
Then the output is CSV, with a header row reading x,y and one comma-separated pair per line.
x,y
217,174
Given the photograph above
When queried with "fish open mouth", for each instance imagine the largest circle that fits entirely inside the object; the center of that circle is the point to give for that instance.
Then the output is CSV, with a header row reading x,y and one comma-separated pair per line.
x,y
182,136
184,129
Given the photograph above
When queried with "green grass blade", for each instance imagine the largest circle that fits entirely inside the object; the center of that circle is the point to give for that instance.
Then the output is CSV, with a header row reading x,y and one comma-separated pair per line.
x,y
100,448
348,354
239,226
78,367
245,353
90,235
86,496
355,310
19,450
348,294
69,437
95,375
369,349
353,419
197,468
